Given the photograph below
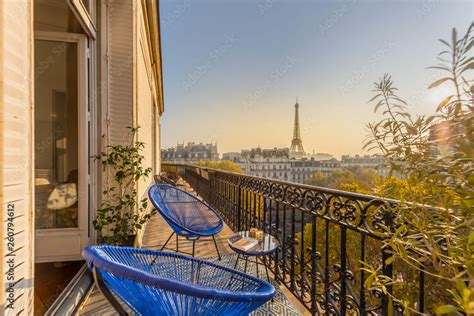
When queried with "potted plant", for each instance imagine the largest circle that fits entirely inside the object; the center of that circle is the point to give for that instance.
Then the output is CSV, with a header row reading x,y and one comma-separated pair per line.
x,y
121,212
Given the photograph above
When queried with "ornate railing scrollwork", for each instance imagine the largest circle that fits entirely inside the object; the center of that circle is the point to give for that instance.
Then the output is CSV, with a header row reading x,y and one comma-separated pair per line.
x,y
325,234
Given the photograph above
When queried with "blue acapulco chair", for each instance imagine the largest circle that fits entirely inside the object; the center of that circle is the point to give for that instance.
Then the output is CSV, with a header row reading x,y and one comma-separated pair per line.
x,y
152,282
188,216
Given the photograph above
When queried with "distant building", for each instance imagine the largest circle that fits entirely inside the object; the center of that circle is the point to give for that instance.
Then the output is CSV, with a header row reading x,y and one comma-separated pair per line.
x,y
259,153
233,156
376,162
277,164
303,169
190,153
268,163
321,156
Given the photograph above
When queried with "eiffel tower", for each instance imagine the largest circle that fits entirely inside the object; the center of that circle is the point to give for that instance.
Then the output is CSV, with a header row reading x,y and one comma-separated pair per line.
x,y
296,149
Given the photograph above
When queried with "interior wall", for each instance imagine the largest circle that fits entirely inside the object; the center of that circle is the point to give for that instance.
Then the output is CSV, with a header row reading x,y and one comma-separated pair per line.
x,y
49,79
55,16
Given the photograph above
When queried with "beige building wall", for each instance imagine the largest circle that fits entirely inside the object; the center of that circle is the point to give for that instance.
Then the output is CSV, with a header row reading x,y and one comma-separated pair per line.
x,y
133,76
148,89
16,160
146,109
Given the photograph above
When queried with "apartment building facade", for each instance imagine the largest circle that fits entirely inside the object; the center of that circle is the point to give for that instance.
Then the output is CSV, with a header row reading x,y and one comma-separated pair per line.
x,y
190,153
268,163
301,170
376,162
276,164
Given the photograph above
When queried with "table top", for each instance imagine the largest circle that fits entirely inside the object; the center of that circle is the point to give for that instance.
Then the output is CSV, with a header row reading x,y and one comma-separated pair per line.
x,y
265,247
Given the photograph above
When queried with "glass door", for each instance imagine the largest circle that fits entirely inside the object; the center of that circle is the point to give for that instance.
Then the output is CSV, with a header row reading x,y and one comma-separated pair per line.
x,y
61,189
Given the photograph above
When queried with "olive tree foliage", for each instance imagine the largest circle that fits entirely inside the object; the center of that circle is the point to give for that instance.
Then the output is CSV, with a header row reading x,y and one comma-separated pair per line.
x,y
358,180
433,229
122,212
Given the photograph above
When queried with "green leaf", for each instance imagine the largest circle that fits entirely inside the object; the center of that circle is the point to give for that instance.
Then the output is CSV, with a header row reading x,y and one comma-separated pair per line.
x,y
438,82
374,97
439,67
445,309
471,238
469,66
368,282
444,42
443,103
389,260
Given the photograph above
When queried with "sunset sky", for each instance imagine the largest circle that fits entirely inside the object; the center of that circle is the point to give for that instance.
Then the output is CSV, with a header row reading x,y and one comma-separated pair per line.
x,y
233,68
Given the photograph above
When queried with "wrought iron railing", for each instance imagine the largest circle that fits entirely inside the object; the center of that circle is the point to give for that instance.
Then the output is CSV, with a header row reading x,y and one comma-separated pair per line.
x,y
322,266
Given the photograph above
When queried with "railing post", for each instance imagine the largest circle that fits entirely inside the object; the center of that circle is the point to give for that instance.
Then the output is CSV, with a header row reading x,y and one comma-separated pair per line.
x,y
211,174
421,298
314,305
239,198
387,269
197,182
343,270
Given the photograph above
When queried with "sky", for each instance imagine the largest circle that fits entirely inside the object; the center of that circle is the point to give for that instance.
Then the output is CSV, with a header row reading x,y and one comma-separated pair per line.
x,y
233,69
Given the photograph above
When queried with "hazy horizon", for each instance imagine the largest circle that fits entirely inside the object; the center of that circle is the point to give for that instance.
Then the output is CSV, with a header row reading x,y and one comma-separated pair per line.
x,y
233,69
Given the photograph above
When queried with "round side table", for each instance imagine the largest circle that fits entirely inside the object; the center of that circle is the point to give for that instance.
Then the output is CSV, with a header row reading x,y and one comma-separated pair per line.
x,y
263,249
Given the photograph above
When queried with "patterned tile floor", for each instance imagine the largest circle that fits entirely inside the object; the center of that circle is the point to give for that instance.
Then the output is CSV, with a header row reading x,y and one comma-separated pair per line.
x,y
156,233
280,305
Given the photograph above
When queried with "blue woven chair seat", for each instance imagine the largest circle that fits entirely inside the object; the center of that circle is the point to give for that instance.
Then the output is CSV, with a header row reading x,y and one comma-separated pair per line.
x,y
187,215
153,283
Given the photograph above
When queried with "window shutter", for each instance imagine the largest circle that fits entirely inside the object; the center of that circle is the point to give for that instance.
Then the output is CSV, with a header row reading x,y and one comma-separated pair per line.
x,y
120,49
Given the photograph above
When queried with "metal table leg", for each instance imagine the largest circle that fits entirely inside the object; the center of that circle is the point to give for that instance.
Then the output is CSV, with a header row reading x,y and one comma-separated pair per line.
x,y
266,268
246,260
256,264
236,261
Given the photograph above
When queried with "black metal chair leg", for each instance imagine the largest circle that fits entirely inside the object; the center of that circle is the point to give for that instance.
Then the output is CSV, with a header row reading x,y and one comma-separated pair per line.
x,y
169,238
177,243
163,247
194,245
246,261
217,249
99,281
